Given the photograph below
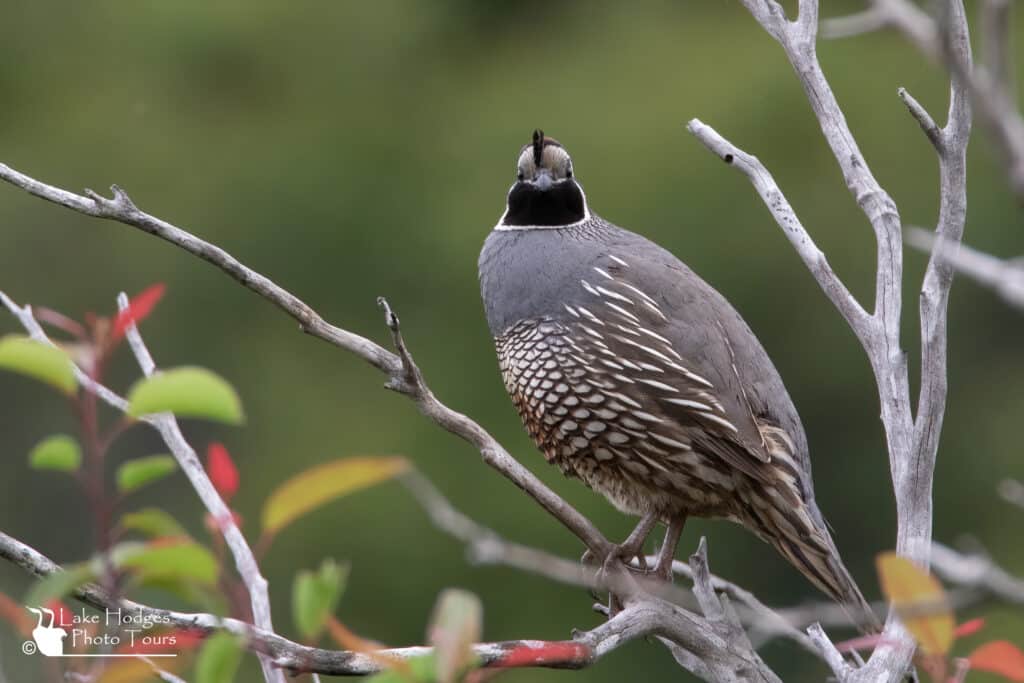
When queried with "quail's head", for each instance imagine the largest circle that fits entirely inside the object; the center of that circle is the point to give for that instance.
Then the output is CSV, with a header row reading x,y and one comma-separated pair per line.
x,y
545,191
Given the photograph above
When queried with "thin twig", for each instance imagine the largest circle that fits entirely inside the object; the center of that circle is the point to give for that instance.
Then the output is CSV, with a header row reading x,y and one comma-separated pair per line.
x,y
977,571
865,21
1012,491
989,85
840,668
165,676
245,560
786,219
996,28
1006,277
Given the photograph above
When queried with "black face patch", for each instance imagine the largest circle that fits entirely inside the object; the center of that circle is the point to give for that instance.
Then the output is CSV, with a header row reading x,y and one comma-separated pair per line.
x,y
561,204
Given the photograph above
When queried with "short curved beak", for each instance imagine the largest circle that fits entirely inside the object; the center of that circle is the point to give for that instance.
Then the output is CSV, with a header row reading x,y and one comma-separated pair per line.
x,y
543,181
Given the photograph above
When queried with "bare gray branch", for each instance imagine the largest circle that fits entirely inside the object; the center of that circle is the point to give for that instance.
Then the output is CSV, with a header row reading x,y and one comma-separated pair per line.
x,y
245,560
1006,277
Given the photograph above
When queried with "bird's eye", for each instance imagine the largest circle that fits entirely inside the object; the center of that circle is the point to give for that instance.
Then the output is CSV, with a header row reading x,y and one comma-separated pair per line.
x,y
568,173
520,175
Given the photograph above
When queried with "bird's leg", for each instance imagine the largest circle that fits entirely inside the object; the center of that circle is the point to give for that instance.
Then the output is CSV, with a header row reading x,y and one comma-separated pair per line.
x,y
623,552
633,545
667,554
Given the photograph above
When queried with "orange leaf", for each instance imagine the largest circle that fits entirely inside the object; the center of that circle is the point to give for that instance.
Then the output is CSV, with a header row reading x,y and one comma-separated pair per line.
x,y
999,657
140,306
16,614
323,483
919,600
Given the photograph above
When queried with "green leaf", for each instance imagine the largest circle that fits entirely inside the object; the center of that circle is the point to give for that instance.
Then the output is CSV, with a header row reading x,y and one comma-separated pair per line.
x,y
318,485
416,670
58,452
59,584
141,471
315,596
455,626
210,599
219,659
172,558
40,361
186,392
154,523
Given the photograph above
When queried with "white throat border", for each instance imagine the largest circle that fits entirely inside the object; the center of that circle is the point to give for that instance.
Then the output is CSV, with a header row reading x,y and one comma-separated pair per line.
x,y
509,228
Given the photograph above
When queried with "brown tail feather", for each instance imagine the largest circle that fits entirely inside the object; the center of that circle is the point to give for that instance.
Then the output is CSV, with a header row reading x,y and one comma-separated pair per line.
x,y
829,574
799,537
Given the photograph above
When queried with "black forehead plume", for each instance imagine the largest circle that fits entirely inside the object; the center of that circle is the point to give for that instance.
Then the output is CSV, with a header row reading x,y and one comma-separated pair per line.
x,y
538,145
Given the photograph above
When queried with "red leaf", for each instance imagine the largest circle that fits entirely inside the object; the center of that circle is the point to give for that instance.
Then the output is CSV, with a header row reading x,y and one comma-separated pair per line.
x,y
222,470
139,307
62,615
999,657
969,628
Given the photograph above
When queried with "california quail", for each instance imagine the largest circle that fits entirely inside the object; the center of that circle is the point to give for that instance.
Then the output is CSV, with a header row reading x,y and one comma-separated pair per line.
x,y
634,375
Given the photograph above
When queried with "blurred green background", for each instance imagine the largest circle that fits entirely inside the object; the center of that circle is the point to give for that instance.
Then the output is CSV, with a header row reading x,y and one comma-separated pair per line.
x,y
349,150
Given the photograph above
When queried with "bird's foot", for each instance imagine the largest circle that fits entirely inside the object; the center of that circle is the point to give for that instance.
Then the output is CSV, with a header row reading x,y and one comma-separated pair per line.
x,y
623,553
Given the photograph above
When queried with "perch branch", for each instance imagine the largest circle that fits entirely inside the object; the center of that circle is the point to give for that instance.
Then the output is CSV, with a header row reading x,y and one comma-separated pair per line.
x,y
486,547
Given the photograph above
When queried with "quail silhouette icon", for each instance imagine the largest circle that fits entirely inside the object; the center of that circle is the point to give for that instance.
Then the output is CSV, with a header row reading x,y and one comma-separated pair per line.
x,y
49,638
